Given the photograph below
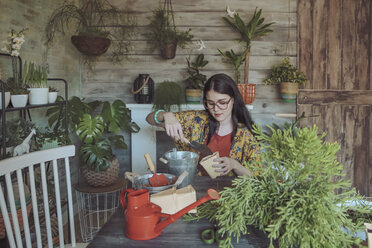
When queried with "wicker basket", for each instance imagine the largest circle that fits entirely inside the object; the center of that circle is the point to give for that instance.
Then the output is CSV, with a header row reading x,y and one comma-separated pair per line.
x,y
248,92
102,178
20,220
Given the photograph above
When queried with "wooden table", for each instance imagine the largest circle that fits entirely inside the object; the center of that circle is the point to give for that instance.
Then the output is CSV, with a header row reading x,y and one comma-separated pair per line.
x,y
180,233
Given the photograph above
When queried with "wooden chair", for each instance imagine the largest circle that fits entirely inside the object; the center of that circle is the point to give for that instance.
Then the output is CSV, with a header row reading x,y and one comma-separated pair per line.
x,y
21,168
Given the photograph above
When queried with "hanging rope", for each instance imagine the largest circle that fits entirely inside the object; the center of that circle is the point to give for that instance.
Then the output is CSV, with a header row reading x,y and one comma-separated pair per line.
x,y
169,10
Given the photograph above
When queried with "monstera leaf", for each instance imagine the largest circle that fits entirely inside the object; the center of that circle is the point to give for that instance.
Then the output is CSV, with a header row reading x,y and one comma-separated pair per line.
x,y
90,128
97,156
117,117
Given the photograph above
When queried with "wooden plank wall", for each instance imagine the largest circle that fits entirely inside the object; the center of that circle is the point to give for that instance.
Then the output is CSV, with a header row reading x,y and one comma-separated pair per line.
x,y
335,46
204,17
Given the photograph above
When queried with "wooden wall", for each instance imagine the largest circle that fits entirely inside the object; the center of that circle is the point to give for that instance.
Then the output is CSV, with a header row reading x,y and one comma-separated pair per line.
x,y
204,17
335,51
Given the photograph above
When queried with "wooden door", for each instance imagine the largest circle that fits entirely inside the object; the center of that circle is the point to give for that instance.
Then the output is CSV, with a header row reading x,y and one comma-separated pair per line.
x,y
335,48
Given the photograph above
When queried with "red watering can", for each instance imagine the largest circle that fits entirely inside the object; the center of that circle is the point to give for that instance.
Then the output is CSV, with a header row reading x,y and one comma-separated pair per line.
x,y
143,218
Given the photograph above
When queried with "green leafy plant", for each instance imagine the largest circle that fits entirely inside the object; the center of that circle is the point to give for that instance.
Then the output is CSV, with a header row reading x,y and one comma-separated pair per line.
x,y
236,60
35,76
97,130
162,32
52,89
254,29
292,197
94,18
168,94
19,91
285,72
196,80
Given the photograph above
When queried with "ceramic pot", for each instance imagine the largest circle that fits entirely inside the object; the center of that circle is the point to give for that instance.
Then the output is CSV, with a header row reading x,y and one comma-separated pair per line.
x,y
288,91
52,97
194,96
19,101
7,99
38,96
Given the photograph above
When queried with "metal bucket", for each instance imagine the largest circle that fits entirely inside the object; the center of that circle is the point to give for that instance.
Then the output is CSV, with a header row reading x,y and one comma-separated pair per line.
x,y
142,182
179,161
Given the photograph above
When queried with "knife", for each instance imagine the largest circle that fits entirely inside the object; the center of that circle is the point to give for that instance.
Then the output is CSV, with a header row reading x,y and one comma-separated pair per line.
x,y
202,148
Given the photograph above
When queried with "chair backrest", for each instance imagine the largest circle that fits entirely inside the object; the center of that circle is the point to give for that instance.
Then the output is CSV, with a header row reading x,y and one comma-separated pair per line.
x,y
14,172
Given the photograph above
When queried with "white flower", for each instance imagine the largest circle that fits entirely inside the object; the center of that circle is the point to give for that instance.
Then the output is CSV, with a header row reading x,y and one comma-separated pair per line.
x,y
5,50
19,40
201,45
229,12
14,53
16,46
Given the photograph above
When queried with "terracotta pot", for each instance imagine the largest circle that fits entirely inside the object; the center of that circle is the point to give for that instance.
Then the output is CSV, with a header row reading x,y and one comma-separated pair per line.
x,y
248,92
102,178
168,51
194,95
90,45
288,91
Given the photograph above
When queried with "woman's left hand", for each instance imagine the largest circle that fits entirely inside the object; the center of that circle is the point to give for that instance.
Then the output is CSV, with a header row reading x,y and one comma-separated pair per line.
x,y
225,165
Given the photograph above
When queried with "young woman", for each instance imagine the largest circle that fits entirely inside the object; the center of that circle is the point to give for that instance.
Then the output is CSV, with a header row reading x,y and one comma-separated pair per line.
x,y
225,125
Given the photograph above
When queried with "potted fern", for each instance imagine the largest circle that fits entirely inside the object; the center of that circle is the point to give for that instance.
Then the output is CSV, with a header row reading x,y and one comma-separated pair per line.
x,y
35,77
164,35
196,80
97,125
289,78
91,34
291,193
167,95
254,29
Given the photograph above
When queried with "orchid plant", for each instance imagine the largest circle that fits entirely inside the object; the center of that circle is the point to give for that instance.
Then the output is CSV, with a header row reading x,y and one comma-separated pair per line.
x,y
14,42
12,46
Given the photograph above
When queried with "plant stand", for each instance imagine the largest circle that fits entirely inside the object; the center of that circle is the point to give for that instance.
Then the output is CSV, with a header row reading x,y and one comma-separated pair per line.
x,y
96,205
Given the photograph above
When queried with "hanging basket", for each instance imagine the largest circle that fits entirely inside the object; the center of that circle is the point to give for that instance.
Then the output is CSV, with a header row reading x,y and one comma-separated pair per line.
x,y
102,178
248,92
90,45
168,51
288,91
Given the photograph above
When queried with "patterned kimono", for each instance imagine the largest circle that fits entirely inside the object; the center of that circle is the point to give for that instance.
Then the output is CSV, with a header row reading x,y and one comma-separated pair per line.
x,y
195,126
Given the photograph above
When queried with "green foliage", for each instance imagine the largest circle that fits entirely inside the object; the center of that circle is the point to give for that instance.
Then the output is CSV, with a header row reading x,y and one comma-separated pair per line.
x,y
52,89
94,18
285,72
196,80
35,76
97,130
19,91
235,59
292,197
162,32
167,94
254,29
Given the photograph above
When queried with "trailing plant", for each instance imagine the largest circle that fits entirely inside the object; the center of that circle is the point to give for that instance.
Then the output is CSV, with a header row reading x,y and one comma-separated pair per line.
x,y
35,76
97,125
254,29
196,80
292,197
236,60
162,31
168,94
94,18
285,72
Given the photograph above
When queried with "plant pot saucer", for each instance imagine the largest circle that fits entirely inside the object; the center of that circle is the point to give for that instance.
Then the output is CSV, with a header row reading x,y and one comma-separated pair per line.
x,y
91,45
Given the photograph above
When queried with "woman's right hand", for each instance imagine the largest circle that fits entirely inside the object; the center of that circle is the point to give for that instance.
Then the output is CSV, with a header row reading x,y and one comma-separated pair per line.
x,y
173,126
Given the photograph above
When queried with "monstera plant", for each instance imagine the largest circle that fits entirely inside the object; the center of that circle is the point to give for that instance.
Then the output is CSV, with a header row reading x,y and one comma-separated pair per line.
x,y
98,132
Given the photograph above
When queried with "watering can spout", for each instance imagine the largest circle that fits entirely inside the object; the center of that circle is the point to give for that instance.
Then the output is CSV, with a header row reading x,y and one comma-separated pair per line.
x,y
211,195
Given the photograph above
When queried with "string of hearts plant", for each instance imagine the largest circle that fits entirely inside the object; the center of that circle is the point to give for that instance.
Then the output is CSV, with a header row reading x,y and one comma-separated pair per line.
x,y
293,196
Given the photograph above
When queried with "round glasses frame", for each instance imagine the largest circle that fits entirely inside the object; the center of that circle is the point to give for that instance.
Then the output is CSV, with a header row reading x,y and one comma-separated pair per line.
x,y
221,105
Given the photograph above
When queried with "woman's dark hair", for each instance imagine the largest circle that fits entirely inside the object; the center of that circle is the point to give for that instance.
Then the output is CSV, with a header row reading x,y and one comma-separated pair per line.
x,y
224,84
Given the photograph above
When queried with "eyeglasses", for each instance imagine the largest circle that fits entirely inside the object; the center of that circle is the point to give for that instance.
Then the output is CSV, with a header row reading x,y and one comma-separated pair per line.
x,y
221,104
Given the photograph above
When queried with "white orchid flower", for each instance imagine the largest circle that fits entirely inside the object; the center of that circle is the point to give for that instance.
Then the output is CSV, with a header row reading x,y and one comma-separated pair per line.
x,y
229,12
201,45
15,53
5,50
18,40
16,46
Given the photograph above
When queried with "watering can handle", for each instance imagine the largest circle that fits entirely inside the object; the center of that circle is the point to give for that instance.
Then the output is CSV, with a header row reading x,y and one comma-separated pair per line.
x,y
123,195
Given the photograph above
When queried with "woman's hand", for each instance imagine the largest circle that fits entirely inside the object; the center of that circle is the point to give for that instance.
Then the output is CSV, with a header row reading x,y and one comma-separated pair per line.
x,y
173,126
226,164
